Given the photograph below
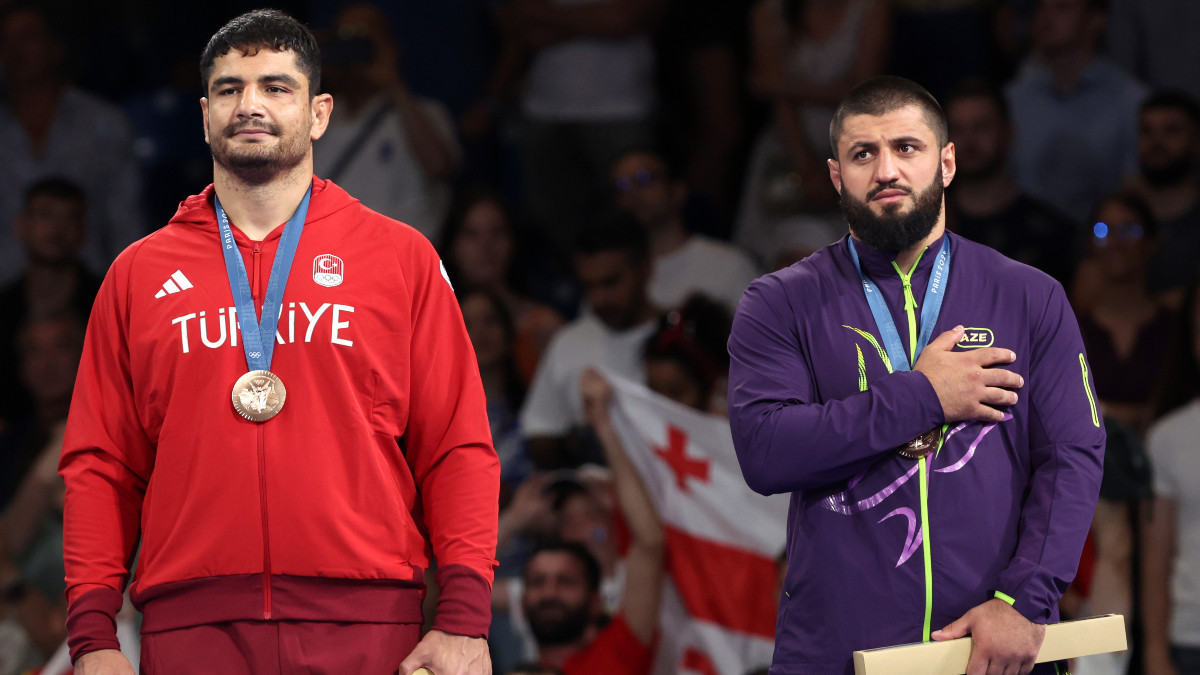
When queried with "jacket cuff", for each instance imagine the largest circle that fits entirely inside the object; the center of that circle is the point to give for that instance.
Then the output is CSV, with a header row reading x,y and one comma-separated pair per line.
x,y
92,622
1029,590
922,394
464,604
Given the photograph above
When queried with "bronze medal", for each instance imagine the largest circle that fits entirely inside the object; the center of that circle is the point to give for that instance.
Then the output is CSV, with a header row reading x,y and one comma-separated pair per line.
x,y
921,445
259,395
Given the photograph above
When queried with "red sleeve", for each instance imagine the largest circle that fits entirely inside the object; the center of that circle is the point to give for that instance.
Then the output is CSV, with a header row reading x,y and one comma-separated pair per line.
x,y
448,444
615,651
106,462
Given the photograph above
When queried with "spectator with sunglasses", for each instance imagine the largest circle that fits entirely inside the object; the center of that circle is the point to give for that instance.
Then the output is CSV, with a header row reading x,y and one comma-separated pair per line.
x,y
1124,325
682,262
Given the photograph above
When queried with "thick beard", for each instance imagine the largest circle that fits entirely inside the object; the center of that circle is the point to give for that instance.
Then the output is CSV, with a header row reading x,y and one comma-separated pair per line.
x,y
1170,174
563,631
253,165
893,232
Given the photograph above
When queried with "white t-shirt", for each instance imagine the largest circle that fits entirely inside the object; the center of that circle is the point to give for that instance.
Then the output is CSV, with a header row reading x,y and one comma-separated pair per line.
x,y
719,270
384,174
1175,456
554,404
591,79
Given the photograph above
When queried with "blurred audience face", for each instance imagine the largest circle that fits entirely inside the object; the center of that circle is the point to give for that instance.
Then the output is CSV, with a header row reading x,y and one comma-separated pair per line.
x,y
360,46
485,326
29,52
889,173
51,229
644,188
582,519
50,349
614,286
556,599
1066,26
980,136
669,378
257,123
1124,249
483,248
1168,144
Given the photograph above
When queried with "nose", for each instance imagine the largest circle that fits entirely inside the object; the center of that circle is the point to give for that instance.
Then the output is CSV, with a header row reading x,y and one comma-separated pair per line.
x,y
885,167
249,103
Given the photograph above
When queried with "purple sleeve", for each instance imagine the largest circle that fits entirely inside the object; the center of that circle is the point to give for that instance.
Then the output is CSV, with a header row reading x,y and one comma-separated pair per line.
x,y
1066,454
787,439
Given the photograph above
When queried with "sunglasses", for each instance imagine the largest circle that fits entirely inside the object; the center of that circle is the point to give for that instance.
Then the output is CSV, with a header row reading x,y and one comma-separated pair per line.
x,y
1102,231
641,178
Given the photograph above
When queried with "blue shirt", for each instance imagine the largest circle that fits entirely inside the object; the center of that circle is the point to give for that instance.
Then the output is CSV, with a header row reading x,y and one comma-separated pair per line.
x,y
1072,148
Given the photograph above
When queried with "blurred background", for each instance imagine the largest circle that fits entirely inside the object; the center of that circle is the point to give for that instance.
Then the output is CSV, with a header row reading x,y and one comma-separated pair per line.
x,y
600,173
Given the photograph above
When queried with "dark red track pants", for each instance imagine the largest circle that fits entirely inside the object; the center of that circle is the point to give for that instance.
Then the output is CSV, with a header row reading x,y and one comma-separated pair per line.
x,y
279,648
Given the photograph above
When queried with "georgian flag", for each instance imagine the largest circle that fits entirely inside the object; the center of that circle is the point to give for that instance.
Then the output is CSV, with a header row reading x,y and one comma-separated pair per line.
x,y
720,599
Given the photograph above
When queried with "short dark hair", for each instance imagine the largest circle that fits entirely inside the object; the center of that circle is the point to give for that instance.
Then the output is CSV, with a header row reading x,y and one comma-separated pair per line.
x,y
614,230
884,94
591,567
1173,99
51,14
977,87
694,337
270,29
56,187
1134,202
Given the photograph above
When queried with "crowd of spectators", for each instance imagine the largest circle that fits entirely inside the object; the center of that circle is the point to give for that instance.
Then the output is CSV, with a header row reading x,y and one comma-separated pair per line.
x,y
596,176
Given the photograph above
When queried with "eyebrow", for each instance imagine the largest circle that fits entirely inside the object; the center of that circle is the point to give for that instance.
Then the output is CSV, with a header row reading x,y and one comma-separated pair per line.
x,y
282,78
899,140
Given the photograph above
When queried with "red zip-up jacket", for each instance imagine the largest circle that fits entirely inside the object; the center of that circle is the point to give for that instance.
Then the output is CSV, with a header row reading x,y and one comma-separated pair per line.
x,y
380,459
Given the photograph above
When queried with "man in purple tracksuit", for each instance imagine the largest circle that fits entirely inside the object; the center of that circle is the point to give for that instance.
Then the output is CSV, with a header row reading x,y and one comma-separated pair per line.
x,y
953,496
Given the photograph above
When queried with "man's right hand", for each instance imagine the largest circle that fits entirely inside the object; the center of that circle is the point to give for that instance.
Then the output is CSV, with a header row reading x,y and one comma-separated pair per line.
x,y
966,387
103,662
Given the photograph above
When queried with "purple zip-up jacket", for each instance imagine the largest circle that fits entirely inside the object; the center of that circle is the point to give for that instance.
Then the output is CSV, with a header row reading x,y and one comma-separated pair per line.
x,y
883,549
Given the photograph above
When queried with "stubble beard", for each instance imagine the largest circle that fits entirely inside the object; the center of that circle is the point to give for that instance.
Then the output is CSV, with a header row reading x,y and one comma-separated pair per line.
x,y
1175,171
892,231
255,164
568,628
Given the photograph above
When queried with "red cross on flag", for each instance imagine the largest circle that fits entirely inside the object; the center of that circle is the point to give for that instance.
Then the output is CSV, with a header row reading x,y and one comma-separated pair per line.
x,y
723,539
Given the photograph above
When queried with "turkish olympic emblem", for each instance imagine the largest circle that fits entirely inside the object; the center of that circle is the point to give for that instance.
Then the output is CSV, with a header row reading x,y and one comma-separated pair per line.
x,y
328,270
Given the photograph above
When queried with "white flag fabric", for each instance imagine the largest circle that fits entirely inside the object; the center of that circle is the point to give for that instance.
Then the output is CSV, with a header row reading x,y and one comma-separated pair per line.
x,y
723,540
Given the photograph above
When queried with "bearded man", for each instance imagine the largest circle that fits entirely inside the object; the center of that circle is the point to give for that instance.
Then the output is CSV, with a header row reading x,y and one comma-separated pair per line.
x,y
288,479
943,483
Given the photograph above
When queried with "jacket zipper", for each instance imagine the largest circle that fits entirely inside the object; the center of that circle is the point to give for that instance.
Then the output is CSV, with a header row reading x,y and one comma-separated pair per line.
x,y
262,465
910,305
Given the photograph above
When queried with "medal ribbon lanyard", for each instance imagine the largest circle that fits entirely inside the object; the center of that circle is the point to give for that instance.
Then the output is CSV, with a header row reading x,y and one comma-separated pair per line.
x,y
258,336
931,306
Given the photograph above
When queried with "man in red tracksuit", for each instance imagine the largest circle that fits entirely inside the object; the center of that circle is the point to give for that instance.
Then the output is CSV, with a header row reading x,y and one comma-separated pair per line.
x,y
286,515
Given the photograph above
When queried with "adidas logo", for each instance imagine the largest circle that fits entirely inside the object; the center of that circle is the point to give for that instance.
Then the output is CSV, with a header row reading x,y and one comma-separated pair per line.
x,y
178,282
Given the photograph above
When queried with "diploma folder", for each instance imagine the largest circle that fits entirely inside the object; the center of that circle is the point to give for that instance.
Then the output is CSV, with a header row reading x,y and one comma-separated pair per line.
x,y
1064,640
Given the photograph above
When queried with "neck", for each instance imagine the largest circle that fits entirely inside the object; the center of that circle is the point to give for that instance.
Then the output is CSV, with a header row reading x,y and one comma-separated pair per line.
x,y
983,195
1068,66
556,655
52,412
1171,201
50,286
669,238
36,93
1126,293
258,208
493,381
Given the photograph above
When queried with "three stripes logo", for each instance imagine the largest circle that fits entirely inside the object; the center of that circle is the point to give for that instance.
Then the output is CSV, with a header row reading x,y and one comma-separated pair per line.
x,y
177,283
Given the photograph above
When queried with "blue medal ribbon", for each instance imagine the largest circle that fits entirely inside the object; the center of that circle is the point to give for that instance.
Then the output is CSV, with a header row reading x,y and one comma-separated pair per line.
x,y
931,306
258,335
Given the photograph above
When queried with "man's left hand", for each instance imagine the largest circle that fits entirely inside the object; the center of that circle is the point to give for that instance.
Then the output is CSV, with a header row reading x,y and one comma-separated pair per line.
x,y
1003,641
446,654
